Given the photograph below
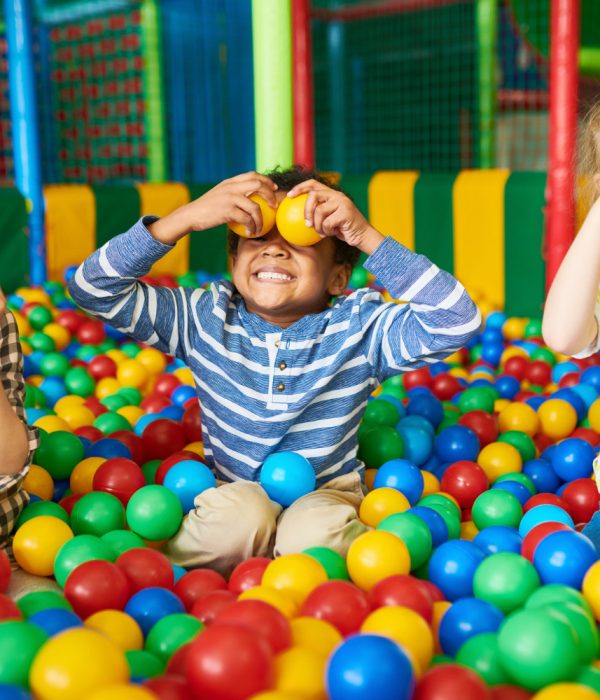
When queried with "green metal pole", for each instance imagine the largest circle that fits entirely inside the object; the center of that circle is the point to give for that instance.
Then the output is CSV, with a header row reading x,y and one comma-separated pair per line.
x,y
272,51
154,93
487,32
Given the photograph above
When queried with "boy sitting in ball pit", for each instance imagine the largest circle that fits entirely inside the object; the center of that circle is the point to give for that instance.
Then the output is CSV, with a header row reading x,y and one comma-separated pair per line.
x,y
277,366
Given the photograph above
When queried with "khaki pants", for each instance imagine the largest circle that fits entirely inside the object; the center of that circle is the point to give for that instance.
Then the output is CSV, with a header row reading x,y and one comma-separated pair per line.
x,y
237,520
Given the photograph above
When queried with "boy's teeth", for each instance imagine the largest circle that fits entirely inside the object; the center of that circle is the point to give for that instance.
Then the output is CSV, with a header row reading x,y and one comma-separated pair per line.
x,y
272,276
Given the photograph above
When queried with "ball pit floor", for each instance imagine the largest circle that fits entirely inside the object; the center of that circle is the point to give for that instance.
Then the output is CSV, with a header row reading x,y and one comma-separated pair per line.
x,y
474,580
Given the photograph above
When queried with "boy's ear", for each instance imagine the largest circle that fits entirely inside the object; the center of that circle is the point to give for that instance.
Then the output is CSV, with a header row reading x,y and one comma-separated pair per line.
x,y
340,279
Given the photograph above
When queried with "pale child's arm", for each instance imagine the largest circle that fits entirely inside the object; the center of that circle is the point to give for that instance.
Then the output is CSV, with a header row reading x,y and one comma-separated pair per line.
x,y
569,324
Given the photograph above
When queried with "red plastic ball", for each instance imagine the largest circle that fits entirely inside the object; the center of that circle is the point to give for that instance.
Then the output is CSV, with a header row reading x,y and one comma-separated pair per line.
x,y
465,481
95,406
248,574
523,395
165,383
542,442
168,687
229,662
433,590
91,333
120,476
165,281
96,585
154,403
261,617
177,663
196,584
516,366
450,682
71,320
69,501
587,434
171,460
146,568
191,421
418,377
581,498
5,571
536,535
341,603
509,692
162,437
89,433
406,591
539,373
544,499
209,606
9,609
482,424
132,442
445,386
101,367
569,380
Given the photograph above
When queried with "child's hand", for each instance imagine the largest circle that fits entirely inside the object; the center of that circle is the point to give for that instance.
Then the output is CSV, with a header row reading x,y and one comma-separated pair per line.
x,y
332,213
226,203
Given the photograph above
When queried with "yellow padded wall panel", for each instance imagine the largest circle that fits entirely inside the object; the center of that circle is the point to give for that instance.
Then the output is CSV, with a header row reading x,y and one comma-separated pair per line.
x,y
161,199
391,205
478,204
70,226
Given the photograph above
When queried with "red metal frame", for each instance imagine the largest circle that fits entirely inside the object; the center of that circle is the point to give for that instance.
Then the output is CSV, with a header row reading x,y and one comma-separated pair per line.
x,y
304,137
560,209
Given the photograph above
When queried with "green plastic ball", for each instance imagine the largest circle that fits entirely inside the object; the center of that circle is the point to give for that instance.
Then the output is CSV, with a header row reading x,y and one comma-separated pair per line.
x,y
59,452
154,513
36,601
589,676
537,648
533,329
54,364
19,644
143,664
38,317
149,470
132,395
97,513
439,499
359,277
522,442
413,532
106,345
381,412
33,510
76,551
477,399
121,541
506,580
584,626
558,593
80,382
520,478
130,349
187,280
170,633
496,507
114,402
333,563
480,653
41,342
86,352
544,354
380,445
448,513
110,422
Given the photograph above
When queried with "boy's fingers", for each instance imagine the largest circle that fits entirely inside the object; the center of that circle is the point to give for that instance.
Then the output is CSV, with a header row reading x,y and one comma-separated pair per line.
x,y
322,212
309,208
252,209
308,186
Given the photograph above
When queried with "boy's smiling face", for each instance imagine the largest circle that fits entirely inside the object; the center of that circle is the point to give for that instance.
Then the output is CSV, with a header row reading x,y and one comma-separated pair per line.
x,y
281,282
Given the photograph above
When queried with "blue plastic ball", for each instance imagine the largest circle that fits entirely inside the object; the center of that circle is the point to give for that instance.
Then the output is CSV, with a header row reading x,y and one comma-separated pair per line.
x,y
518,490
187,479
535,401
416,422
498,538
452,567
561,368
418,443
465,619
55,620
403,475
368,666
287,476
11,692
150,605
435,523
543,476
495,320
53,389
572,459
108,448
586,392
144,422
183,393
571,397
178,572
545,513
427,406
564,557
456,443
172,413
507,386
591,375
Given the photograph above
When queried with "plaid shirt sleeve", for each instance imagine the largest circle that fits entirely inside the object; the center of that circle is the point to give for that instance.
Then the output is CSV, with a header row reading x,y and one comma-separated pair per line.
x,y
13,498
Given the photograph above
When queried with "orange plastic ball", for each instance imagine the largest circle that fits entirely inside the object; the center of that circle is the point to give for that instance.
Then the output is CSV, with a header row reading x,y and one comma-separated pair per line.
x,y
268,218
290,222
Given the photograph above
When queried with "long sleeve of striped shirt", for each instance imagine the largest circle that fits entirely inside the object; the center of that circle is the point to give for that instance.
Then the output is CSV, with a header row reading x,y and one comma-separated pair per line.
x,y
263,388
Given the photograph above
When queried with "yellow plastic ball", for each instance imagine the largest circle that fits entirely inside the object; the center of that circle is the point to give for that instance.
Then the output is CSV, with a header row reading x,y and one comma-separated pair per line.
x,y
39,483
197,447
276,695
591,588
268,218
301,671
380,503
35,379
74,663
594,415
499,458
500,405
131,413
440,607
185,376
82,477
405,627
318,635
52,423
374,556
117,355
59,334
107,386
468,530
122,691
119,627
566,691
152,359
281,600
431,484
68,402
132,373
290,222
370,475
519,416
37,542
559,419
33,295
512,351
514,328
458,372
23,324
78,416
294,574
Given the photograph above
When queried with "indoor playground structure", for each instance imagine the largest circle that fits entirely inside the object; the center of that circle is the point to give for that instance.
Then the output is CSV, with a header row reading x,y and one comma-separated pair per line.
x,y
452,124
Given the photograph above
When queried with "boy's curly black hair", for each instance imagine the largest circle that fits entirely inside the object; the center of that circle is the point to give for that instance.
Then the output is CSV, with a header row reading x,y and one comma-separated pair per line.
x,y
286,179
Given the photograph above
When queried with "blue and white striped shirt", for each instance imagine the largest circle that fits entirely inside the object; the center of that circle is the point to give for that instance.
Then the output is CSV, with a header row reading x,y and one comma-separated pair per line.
x,y
263,388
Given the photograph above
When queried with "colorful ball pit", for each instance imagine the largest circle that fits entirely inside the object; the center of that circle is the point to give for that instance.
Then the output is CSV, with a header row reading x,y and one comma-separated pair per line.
x,y
473,584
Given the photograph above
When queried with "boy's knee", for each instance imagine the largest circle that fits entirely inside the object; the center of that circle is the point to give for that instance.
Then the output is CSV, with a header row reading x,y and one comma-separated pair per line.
x,y
229,524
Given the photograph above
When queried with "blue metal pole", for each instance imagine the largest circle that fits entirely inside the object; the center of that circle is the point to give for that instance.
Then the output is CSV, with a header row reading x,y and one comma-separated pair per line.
x,y
25,128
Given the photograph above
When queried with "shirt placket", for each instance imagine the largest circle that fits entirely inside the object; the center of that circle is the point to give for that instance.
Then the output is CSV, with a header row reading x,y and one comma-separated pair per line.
x,y
278,372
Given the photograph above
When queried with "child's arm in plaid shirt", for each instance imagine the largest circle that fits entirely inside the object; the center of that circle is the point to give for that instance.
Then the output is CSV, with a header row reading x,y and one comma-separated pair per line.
x,y
17,439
